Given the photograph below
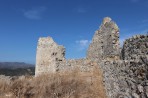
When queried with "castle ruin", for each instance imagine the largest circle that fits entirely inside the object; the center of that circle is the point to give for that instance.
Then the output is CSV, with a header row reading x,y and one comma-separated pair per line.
x,y
125,71
105,43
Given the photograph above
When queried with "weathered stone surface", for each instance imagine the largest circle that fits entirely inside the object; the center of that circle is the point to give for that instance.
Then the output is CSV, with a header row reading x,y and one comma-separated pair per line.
x,y
85,65
105,43
135,48
48,55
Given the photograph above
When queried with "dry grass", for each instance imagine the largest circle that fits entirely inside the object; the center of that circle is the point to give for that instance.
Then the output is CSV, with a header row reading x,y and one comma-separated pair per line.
x,y
60,85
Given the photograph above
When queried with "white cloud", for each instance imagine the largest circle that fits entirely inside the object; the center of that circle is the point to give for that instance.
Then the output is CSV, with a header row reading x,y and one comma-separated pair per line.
x,y
82,44
35,13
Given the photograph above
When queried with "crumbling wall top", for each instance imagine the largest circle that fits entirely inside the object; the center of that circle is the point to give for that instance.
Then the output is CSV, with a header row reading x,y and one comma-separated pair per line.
x,y
106,19
135,47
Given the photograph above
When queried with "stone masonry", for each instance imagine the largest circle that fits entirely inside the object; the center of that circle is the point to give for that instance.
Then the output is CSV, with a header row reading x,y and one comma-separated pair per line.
x,y
48,55
105,43
125,73
136,47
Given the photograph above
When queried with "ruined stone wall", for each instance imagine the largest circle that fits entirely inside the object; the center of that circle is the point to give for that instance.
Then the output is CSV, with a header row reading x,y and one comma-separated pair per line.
x,y
137,79
114,78
51,58
128,78
48,55
105,43
95,51
85,65
136,47
123,78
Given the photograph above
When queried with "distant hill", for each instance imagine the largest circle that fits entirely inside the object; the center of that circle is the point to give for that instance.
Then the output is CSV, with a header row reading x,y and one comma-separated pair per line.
x,y
14,65
18,71
16,68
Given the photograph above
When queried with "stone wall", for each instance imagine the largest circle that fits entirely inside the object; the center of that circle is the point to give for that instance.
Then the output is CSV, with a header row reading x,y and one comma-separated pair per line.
x,y
114,78
128,78
125,79
95,51
125,75
48,55
136,47
85,65
105,43
51,58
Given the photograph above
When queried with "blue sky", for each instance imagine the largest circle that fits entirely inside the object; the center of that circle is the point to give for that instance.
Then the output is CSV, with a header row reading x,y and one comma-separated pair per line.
x,y
71,23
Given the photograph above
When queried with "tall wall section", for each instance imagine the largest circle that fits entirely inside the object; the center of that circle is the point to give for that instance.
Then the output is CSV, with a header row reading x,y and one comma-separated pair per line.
x,y
105,42
48,55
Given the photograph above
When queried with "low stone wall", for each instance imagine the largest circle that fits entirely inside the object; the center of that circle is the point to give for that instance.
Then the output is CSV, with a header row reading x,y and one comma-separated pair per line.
x,y
85,65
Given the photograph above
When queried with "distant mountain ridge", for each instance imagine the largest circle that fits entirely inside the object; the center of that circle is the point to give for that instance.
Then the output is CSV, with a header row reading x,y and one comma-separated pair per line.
x,y
15,65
